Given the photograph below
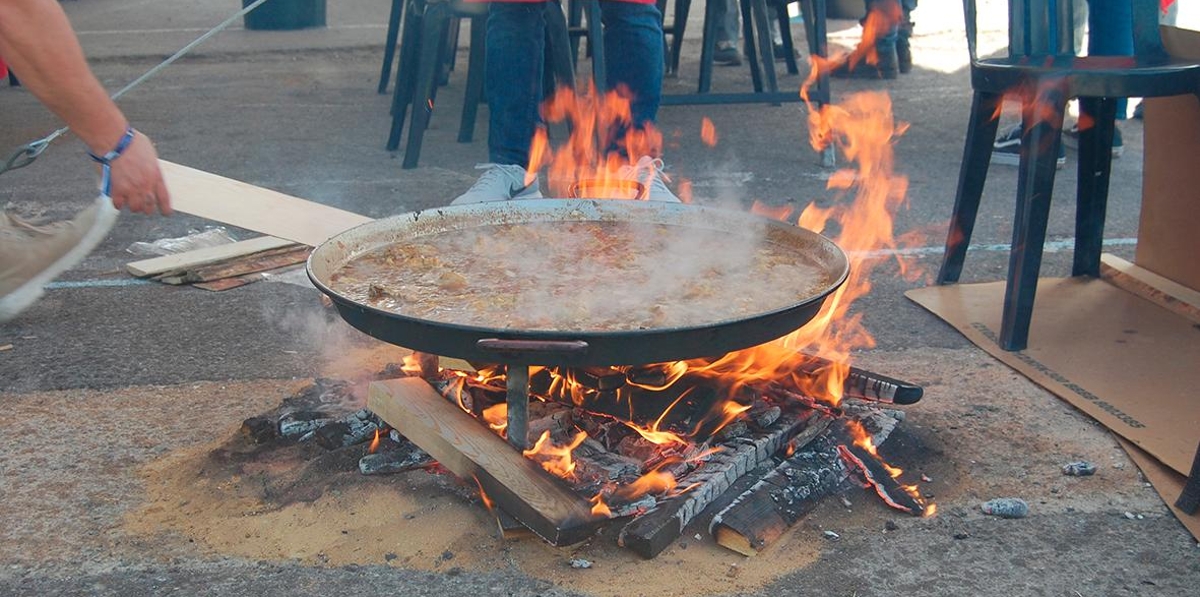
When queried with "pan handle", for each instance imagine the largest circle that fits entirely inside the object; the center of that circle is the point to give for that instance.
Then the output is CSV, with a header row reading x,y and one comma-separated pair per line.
x,y
532,348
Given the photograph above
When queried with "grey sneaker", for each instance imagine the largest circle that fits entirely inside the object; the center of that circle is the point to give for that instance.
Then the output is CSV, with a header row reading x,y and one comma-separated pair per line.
x,y
500,182
31,256
649,172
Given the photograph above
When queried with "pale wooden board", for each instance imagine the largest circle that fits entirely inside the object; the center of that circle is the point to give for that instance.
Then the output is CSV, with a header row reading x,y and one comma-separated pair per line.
x,y
254,208
472,451
1151,286
203,256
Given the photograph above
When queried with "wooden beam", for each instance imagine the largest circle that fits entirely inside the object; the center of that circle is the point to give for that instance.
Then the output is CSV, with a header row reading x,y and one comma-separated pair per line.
x,y
205,256
1151,286
254,208
472,451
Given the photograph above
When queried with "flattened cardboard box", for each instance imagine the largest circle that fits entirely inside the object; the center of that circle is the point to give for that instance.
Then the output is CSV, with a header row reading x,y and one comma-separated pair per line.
x,y
1125,361
1169,230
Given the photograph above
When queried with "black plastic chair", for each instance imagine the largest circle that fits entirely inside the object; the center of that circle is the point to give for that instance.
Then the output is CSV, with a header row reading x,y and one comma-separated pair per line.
x,y
758,49
424,40
1042,70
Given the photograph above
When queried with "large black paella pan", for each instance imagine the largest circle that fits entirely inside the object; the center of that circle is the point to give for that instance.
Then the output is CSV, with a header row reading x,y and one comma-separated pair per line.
x,y
578,282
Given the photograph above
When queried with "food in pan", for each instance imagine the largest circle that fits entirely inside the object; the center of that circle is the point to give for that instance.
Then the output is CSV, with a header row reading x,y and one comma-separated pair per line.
x,y
584,276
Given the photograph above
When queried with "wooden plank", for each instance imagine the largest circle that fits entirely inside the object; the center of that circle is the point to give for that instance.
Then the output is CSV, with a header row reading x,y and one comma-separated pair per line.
x,y
761,514
230,283
650,533
254,208
1159,290
259,262
204,256
470,450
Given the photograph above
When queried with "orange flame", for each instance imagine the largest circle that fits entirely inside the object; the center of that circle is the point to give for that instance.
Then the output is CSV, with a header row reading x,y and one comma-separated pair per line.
x,y
708,132
595,121
555,459
374,443
496,417
483,496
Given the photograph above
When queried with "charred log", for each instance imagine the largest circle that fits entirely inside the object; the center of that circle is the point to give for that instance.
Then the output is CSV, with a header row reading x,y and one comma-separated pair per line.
x,y
652,532
762,513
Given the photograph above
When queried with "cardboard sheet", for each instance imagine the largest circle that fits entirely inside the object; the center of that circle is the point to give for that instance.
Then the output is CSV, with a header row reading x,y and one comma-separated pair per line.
x,y
1166,482
1132,365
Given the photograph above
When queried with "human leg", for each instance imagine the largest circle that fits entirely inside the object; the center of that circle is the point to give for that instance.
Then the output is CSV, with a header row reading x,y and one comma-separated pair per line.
x,y
634,51
728,24
513,80
31,256
515,57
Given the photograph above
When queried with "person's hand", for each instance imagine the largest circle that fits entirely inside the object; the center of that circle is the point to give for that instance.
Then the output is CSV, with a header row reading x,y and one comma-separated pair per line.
x,y
137,182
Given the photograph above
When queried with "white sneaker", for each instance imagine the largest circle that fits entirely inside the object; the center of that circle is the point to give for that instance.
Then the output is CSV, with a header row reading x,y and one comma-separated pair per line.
x,y
500,182
31,256
649,172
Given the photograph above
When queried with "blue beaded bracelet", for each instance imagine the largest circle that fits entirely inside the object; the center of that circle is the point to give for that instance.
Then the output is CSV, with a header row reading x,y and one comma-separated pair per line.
x,y
105,160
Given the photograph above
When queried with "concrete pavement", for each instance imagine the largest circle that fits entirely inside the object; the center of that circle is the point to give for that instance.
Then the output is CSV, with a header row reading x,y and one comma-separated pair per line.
x,y
297,111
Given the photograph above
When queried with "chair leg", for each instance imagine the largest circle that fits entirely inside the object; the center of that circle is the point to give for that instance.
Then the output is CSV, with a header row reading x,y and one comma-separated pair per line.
x,y
596,46
1189,499
435,27
1095,166
389,46
785,31
1035,185
473,94
708,44
977,154
558,40
406,70
679,25
766,49
749,43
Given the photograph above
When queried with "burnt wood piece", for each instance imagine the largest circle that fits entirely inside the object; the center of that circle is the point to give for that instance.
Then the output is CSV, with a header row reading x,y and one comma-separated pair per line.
x,y
652,532
395,458
874,474
595,464
867,385
259,430
302,425
258,262
470,450
509,528
354,428
762,513
598,378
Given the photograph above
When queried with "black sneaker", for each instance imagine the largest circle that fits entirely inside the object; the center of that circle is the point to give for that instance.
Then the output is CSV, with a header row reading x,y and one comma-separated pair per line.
x,y
1007,149
727,54
781,52
1071,139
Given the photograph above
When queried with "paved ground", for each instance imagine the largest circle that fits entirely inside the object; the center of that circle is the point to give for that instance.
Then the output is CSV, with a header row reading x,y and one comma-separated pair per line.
x,y
298,112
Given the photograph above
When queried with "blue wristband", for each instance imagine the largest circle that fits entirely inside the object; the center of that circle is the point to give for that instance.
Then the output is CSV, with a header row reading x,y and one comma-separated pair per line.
x,y
105,160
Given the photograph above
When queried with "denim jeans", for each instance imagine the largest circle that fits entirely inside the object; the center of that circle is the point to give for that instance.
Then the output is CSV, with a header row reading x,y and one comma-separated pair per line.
x,y
1110,33
516,45
888,40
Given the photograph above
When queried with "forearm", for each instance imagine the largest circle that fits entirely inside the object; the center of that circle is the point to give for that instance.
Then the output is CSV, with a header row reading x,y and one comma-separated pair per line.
x,y
37,40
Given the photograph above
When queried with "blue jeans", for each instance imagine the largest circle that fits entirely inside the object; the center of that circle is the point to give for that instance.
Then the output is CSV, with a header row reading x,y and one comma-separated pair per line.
x,y
1110,33
888,40
516,44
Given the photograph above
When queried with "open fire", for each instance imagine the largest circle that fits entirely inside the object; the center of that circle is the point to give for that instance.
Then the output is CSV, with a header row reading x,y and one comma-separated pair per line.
x,y
754,437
